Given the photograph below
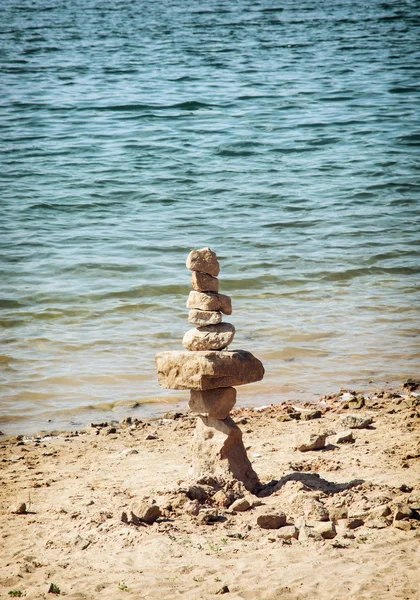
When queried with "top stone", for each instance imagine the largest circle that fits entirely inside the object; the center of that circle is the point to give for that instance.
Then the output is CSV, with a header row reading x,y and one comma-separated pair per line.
x,y
204,260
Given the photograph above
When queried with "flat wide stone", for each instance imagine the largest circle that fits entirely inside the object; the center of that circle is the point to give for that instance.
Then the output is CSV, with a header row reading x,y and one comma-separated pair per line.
x,y
207,370
216,404
202,282
204,260
218,450
210,301
204,317
210,337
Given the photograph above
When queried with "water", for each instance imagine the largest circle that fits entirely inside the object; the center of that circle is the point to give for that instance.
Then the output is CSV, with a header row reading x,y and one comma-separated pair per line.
x,y
285,135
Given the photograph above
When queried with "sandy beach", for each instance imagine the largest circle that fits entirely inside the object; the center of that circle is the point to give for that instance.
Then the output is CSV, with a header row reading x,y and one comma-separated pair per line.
x,y
352,508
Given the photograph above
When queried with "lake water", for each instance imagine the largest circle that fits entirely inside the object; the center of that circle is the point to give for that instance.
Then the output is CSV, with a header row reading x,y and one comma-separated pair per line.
x,y
284,135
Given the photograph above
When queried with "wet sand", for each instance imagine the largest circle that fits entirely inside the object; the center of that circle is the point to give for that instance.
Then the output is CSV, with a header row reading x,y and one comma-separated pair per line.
x,y
78,487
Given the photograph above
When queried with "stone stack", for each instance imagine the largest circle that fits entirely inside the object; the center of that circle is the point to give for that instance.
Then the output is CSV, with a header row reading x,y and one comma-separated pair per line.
x,y
210,371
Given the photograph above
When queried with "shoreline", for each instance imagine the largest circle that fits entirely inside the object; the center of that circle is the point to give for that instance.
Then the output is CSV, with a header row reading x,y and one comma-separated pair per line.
x,y
77,487
154,409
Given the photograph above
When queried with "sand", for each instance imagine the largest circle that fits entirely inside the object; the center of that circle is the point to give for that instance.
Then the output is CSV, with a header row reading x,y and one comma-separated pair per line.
x,y
77,486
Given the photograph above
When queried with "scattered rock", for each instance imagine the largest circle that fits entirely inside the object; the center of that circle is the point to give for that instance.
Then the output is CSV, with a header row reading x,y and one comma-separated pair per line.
x,y
221,498
127,452
308,415
402,511
192,507
337,513
307,534
145,511
271,521
376,523
240,505
312,441
284,418
380,511
356,422
403,525
208,515
18,509
151,436
288,532
357,402
223,590
315,511
326,530
355,523
344,437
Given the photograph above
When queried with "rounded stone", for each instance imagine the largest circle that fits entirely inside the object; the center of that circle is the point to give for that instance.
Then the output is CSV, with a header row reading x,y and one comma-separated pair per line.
x,y
210,337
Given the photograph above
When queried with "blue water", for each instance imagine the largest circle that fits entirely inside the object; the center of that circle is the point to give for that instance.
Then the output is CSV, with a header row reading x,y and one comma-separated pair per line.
x,y
285,135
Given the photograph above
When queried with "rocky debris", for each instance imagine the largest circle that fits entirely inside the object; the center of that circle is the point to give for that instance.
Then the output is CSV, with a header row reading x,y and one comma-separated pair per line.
x,y
19,508
223,590
357,402
218,449
204,317
380,511
207,370
344,437
311,441
356,422
208,515
354,523
210,301
404,525
326,530
309,415
402,511
274,521
315,511
145,511
288,532
336,513
216,403
202,282
241,505
126,452
204,260
210,337
307,534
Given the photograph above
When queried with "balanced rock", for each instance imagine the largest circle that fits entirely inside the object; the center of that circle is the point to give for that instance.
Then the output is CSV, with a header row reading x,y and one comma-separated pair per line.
x,y
213,403
210,301
202,282
204,260
218,450
207,370
204,317
210,337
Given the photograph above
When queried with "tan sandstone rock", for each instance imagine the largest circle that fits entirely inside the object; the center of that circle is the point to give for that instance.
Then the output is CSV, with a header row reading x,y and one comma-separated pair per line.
x,y
213,403
204,317
210,301
207,370
202,282
210,337
218,450
204,260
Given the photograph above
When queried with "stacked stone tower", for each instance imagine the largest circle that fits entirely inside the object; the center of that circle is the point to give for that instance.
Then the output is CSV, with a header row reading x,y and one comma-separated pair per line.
x,y
210,371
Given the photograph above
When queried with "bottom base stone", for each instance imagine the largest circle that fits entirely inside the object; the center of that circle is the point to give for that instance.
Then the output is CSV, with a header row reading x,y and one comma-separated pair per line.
x,y
218,450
